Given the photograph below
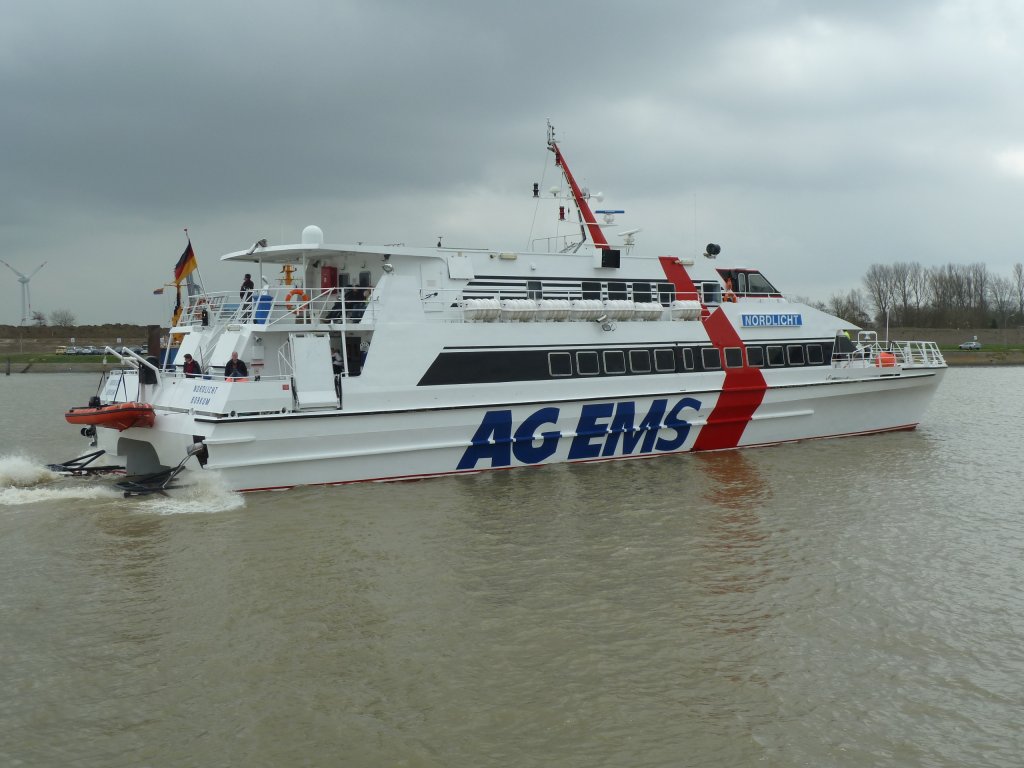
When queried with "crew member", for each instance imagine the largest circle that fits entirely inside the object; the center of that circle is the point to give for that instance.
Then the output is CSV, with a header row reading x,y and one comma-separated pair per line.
x,y
245,294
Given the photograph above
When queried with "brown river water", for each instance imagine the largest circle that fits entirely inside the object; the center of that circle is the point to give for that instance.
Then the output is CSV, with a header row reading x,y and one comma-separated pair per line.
x,y
853,602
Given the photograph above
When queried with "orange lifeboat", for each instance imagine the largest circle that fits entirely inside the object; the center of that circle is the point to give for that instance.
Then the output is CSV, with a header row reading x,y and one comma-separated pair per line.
x,y
119,416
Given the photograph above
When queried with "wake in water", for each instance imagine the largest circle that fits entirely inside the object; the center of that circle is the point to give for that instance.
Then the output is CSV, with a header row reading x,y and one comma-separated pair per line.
x,y
199,492
23,481
22,472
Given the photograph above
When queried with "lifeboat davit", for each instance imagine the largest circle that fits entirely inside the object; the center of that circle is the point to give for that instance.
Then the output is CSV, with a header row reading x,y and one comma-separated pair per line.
x,y
119,416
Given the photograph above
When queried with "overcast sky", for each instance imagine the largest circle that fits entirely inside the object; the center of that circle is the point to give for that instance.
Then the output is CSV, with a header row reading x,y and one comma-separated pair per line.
x,y
809,139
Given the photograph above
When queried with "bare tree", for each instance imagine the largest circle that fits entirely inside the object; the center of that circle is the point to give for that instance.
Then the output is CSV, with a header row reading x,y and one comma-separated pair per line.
x,y
851,307
1018,286
878,282
38,318
62,318
1001,297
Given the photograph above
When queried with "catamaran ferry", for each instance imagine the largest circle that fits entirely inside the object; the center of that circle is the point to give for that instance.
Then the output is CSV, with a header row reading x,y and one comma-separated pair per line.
x,y
393,363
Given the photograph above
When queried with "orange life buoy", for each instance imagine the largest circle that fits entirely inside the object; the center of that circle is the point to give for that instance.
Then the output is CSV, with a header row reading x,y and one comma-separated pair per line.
x,y
885,360
303,300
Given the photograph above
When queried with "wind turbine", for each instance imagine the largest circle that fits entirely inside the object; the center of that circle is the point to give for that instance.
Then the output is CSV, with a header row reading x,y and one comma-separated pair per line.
x,y
26,301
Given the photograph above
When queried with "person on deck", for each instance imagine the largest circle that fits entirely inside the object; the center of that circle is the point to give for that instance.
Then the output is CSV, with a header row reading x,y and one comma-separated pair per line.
x,y
235,368
191,368
245,294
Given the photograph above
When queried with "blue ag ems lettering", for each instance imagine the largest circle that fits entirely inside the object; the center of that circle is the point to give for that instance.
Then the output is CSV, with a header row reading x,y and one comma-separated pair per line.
x,y
597,433
493,439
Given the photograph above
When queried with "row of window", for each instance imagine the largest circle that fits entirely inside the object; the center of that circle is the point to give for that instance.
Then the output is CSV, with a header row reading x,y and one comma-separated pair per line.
x,y
710,292
614,290
679,359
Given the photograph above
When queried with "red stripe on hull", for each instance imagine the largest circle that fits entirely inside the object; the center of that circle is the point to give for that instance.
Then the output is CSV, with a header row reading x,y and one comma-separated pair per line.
x,y
742,392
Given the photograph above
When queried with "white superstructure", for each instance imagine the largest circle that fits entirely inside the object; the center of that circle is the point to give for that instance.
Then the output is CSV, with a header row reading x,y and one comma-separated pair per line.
x,y
460,360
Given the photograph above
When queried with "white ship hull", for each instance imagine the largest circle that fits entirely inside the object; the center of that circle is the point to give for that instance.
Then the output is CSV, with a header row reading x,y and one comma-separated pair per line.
x,y
370,363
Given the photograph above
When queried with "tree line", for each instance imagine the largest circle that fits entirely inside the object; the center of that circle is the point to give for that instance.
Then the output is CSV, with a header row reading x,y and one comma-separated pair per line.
x,y
947,296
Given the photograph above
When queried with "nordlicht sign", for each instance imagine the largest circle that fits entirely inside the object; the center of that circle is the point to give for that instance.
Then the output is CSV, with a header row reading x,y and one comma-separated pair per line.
x,y
771,321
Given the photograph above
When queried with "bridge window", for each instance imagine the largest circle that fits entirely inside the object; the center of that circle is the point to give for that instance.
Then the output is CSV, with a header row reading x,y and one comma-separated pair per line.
x,y
733,357
560,363
755,357
776,356
614,361
796,354
756,283
664,360
588,364
639,361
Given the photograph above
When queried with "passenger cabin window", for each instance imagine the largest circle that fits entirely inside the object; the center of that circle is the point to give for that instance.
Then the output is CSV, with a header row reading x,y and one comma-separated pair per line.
x,y
711,293
711,358
639,361
755,357
642,292
687,354
666,294
560,363
776,356
344,279
733,357
814,355
614,361
534,290
588,363
591,290
796,354
364,279
617,292
664,361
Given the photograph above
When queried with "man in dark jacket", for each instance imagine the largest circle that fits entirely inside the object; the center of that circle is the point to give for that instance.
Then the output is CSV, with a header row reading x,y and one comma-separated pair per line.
x,y
235,368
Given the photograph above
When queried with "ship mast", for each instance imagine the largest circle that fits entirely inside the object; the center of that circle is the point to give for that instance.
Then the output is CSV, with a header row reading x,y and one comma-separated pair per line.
x,y
587,219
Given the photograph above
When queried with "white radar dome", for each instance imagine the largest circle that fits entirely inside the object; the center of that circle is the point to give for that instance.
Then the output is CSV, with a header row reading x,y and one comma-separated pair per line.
x,y
312,235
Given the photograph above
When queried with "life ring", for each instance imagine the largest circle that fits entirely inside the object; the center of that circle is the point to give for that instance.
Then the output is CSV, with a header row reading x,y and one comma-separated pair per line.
x,y
303,303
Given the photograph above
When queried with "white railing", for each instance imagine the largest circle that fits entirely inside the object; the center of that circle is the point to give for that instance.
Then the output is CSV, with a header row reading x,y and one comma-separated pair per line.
x,y
889,354
287,304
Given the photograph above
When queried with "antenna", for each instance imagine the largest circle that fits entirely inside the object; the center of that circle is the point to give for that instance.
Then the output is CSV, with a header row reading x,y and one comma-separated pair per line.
x,y
26,301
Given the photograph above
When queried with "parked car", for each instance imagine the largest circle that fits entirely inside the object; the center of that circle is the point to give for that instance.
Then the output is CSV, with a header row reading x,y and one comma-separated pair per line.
x,y
971,345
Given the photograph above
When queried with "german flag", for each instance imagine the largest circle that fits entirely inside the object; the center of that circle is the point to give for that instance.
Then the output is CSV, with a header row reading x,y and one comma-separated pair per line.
x,y
186,264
